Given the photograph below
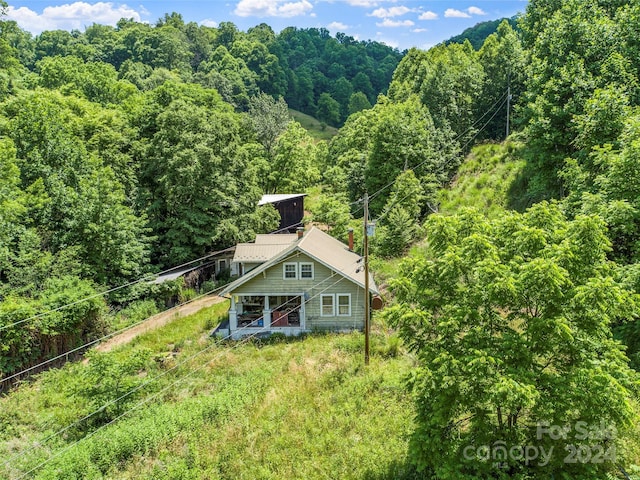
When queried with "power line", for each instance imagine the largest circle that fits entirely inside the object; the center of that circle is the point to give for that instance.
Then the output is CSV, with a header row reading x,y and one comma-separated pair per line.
x,y
104,406
105,337
93,342
102,294
394,203
4,327
112,402
244,340
135,407
468,130
145,278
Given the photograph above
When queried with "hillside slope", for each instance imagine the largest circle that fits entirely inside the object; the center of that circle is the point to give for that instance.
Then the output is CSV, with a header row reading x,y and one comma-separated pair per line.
x,y
484,180
315,128
304,408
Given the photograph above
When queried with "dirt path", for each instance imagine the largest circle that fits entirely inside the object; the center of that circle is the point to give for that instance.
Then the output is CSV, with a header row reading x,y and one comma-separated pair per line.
x,y
158,321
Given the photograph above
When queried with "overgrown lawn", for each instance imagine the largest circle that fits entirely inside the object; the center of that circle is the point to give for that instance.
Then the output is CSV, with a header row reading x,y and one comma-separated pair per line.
x,y
299,408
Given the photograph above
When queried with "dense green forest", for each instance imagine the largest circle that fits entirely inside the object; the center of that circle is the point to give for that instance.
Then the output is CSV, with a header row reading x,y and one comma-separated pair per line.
x,y
316,73
132,149
510,264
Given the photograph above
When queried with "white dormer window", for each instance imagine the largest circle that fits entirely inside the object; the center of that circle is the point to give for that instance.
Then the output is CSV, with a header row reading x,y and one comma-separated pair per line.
x,y
306,271
290,271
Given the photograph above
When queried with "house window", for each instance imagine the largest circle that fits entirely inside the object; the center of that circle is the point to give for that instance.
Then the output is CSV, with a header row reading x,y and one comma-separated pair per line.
x,y
222,265
306,270
290,271
327,306
344,304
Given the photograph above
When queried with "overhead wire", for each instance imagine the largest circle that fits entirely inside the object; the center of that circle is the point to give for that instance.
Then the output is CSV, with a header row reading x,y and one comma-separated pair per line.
x,y
500,101
154,275
5,380
105,337
394,203
147,277
150,276
112,402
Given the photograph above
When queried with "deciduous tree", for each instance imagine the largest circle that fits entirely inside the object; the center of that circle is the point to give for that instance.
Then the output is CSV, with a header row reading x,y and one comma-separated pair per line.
x,y
510,323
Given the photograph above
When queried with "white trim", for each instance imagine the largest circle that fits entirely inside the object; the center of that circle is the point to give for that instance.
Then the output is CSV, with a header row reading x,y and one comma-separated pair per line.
x,y
338,295
221,261
312,277
290,252
295,271
333,304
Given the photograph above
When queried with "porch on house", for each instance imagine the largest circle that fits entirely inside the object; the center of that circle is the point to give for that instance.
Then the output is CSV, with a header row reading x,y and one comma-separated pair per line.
x,y
277,312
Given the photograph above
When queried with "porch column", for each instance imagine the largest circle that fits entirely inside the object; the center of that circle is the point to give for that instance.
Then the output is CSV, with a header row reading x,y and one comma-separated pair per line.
x,y
266,313
302,312
233,315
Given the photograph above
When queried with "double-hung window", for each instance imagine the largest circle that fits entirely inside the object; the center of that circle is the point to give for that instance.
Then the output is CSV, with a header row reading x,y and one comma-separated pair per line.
x,y
294,271
290,271
306,271
335,305
344,304
327,306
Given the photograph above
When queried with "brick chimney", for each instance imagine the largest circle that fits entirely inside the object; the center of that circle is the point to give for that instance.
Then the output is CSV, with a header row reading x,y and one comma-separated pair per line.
x,y
351,239
300,231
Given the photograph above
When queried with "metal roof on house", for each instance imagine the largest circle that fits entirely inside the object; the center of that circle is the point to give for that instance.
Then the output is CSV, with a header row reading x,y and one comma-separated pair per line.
x,y
322,247
279,197
254,253
276,239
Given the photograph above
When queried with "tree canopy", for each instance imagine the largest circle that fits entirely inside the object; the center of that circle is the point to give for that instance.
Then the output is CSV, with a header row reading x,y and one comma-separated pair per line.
x,y
510,324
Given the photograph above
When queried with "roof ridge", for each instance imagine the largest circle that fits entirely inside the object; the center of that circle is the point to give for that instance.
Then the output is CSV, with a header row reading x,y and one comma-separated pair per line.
x,y
301,240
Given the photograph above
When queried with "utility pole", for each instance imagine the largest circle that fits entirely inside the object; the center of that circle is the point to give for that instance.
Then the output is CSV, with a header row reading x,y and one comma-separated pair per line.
x,y
508,101
366,279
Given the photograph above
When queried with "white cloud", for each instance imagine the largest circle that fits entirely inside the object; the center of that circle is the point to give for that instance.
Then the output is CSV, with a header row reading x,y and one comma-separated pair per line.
x,y
428,16
72,16
272,8
395,23
207,22
476,11
453,13
334,26
419,30
390,12
294,9
363,3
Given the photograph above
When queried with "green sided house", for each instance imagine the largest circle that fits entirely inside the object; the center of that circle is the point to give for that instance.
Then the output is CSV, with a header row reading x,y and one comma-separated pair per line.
x,y
296,283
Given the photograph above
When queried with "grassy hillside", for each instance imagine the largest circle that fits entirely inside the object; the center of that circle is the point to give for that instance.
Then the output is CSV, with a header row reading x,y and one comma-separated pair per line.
x,y
484,180
304,408
314,126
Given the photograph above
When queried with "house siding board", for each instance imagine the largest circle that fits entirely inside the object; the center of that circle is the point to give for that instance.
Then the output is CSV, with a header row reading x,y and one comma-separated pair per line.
x,y
316,321
271,282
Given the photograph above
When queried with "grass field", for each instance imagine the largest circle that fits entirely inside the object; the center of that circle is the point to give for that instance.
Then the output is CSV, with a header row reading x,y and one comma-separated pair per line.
x,y
314,126
302,408
484,180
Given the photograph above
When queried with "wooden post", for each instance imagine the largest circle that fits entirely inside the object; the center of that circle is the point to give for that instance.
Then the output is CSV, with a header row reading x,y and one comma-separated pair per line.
x,y
366,279
508,101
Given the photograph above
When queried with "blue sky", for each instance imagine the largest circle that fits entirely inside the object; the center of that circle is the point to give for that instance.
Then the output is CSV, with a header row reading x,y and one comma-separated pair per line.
x,y
401,24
